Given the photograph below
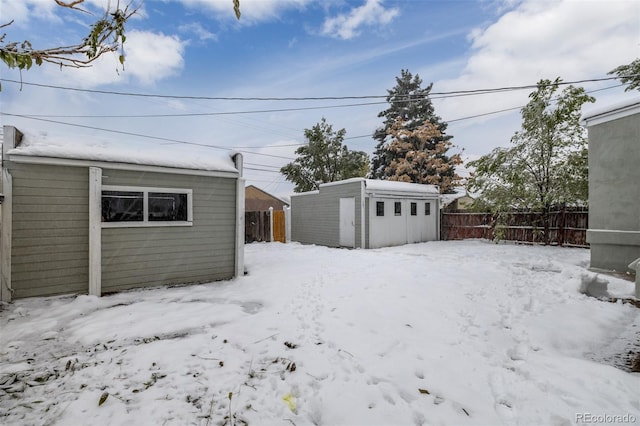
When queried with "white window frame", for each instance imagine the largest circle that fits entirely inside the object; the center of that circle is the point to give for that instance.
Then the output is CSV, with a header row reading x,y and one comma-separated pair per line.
x,y
145,214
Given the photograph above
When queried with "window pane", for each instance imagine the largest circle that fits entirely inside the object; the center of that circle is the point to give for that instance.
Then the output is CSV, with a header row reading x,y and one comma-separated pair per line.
x,y
166,206
427,209
414,209
397,208
122,206
379,208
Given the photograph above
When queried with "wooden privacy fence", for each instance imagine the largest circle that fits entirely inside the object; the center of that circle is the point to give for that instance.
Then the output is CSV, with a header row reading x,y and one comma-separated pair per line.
x,y
257,226
566,227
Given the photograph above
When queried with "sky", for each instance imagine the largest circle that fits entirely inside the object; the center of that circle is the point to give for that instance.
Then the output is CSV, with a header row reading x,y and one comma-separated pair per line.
x,y
439,333
195,52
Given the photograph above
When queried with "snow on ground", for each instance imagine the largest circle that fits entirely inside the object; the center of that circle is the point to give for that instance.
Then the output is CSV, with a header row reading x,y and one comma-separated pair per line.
x,y
464,333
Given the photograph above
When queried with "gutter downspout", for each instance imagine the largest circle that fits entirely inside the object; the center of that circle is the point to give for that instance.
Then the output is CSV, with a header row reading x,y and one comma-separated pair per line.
x,y
12,138
240,196
362,214
438,213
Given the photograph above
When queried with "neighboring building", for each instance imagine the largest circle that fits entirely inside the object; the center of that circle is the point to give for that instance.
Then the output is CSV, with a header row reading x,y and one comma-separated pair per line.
x,y
457,201
94,217
366,213
258,200
614,185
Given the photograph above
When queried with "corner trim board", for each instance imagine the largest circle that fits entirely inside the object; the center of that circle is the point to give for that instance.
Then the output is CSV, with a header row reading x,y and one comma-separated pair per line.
x,y
6,291
95,231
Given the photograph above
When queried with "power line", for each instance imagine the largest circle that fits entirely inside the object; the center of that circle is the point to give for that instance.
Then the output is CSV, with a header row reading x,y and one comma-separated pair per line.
x,y
121,132
469,117
318,98
261,170
205,114
39,118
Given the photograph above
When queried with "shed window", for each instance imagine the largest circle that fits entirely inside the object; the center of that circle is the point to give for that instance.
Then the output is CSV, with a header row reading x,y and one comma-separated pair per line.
x,y
427,209
124,206
397,208
167,206
414,209
379,208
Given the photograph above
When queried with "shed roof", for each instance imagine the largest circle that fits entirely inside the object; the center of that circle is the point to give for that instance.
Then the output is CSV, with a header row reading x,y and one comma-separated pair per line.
x,y
394,186
387,186
611,112
123,151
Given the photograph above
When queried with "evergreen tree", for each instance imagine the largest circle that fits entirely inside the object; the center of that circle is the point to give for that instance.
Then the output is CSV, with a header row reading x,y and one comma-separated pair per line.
x,y
417,159
411,106
324,159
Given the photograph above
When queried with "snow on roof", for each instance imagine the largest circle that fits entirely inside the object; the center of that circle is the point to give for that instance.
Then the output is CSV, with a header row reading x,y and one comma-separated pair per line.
x,y
388,186
124,151
610,112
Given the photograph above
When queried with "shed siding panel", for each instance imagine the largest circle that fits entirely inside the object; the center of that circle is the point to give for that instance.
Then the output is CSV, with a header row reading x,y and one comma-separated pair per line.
x,y
315,217
153,256
613,174
50,236
614,191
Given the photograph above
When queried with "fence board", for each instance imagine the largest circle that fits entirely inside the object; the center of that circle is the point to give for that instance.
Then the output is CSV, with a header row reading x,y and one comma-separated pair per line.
x,y
566,227
257,226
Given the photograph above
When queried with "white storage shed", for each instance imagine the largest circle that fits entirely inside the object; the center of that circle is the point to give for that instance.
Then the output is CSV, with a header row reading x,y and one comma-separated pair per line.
x,y
366,213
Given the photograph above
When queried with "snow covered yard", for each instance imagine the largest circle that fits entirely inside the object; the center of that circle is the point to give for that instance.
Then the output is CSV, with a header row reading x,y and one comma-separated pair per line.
x,y
447,333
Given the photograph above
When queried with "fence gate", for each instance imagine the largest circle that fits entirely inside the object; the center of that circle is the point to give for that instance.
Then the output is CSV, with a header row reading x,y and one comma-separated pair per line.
x,y
279,233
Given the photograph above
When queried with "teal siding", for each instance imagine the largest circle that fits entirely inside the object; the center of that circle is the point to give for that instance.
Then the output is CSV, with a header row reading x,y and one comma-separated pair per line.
x,y
153,256
50,235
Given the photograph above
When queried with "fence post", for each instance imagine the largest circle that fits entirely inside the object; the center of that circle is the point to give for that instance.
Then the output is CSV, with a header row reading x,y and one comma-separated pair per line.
x,y
270,224
561,220
287,224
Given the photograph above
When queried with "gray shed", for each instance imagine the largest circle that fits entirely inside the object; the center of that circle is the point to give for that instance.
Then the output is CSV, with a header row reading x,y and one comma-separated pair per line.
x,y
102,216
366,213
614,185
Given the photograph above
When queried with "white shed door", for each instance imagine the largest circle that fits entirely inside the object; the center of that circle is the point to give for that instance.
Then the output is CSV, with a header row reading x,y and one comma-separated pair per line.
x,y
348,222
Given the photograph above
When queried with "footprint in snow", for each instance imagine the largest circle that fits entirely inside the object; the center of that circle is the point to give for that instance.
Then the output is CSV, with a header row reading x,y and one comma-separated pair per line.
x,y
503,402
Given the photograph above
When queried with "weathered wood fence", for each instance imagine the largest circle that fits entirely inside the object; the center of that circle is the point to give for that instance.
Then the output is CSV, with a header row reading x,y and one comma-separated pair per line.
x,y
566,227
257,226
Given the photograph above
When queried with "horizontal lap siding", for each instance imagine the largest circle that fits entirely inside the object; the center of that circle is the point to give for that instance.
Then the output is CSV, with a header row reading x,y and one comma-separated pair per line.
x,y
50,236
310,220
153,256
315,218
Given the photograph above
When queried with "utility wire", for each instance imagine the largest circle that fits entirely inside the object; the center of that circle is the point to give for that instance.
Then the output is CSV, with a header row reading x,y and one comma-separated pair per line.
x,y
144,136
39,118
205,114
222,98
469,117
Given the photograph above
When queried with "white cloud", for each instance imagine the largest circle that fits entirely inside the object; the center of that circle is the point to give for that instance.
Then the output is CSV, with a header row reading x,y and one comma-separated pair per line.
x,y
570,39
21,12
202,33
252,10
150,57
347,26
153,56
